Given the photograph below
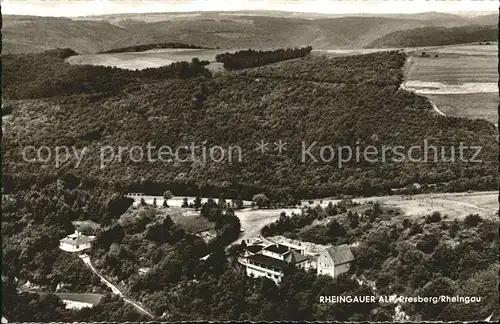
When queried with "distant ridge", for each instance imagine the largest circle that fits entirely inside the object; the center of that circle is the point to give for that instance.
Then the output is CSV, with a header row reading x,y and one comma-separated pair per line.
x,y
227,30
436,36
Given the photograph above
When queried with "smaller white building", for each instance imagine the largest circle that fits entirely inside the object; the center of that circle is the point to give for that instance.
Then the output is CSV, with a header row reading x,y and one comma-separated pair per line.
x,y
76,242
335,261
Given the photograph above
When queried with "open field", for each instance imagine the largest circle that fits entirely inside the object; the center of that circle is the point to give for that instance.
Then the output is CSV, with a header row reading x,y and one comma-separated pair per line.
x,y
469,105
188,219
454,68
252,221
148,59
468,49
454,205
462,81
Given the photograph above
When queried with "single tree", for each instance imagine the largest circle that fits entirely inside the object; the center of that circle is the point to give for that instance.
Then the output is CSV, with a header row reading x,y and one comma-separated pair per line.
x,y
261,200
197,203
167,195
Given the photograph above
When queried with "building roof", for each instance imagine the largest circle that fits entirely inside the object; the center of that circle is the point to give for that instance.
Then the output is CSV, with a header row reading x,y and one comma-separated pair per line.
x,y
295,258
277,248
268,261
254,248
81,240
341,254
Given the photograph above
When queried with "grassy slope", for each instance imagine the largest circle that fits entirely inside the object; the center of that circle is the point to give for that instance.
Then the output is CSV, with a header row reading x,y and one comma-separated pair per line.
x,y
469,105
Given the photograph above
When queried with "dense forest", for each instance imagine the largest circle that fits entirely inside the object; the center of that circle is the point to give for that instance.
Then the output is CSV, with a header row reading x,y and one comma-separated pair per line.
x,y
353,101
344,101
46,75
35,219
426,256
437,36
147,47
252,58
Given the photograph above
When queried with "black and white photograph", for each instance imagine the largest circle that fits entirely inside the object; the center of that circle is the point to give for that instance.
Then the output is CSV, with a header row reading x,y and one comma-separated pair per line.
x,y
250,161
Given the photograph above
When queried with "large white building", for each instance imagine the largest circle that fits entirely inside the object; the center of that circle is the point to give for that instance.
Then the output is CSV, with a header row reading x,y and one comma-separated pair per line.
x,y
76,242
270,261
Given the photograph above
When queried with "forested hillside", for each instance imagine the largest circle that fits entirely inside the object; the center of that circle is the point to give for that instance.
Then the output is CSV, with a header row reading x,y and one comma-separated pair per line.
x,y
55,78
35,219
436,36
354,101
417,256
30,34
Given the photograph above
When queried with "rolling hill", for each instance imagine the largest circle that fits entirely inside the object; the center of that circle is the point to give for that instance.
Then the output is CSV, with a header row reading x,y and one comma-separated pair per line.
x,y
436,36
29,34
236,30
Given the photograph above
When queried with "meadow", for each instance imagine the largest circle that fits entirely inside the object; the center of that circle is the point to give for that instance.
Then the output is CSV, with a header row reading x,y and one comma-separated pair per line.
x,y
460,79
454,68
469,105
148,59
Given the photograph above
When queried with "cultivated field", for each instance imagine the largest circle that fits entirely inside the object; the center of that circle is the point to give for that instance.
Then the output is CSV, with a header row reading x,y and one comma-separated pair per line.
x,y
454,68
461,80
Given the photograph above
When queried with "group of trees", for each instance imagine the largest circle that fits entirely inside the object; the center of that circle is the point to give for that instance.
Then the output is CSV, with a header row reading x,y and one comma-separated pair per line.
x,y
146,47
34,307
419,256
47,75
227,224
7,108
253,58
35,219
288,224
426,256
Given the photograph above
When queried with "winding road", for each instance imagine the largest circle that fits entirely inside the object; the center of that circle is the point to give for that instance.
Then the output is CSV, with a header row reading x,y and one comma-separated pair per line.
x,y
86,259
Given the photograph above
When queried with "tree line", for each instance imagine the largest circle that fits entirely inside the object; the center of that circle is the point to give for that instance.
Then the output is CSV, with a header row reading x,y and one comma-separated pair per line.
x,y
253,58
147,47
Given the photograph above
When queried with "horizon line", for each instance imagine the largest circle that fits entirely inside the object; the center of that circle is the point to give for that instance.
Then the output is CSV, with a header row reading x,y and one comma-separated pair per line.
x,y
452,12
